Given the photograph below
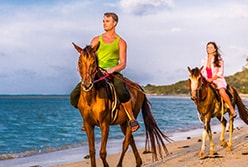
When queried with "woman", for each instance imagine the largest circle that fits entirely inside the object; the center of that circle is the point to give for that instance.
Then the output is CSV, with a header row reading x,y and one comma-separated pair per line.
x,y
213,71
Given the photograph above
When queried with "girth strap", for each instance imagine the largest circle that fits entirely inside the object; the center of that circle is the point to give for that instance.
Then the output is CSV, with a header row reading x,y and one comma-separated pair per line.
x,y
114,111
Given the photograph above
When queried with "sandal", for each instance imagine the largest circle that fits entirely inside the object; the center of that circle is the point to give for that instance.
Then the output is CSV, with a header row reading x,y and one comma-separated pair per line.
x,y
134,125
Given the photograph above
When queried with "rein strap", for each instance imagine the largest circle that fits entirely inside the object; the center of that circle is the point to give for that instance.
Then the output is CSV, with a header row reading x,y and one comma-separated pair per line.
x,y
101,78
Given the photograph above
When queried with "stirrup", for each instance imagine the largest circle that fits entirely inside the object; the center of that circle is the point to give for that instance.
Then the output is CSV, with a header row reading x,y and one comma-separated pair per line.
x,y
134,123
234,115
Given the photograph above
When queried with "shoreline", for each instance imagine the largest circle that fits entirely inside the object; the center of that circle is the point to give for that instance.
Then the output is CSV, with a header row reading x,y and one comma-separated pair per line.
x,y
185,152
75,156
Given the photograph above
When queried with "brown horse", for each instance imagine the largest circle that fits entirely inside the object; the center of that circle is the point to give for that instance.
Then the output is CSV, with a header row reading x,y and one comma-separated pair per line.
x,y
209,105
95,106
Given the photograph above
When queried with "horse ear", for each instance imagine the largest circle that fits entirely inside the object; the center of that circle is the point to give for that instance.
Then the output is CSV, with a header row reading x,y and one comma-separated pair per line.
x,y
95,48
77,48
189,69
201,68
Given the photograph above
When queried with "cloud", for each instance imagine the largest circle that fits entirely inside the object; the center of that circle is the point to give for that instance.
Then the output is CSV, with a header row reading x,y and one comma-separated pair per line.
x,y
144,7
36,54
176,29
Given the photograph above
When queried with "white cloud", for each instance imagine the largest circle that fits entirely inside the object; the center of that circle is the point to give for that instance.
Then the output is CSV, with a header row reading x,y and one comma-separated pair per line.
x,y
176,29
143,7
164,37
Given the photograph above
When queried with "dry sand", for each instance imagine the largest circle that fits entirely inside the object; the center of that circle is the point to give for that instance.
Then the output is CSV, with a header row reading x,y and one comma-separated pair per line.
x,y
185,154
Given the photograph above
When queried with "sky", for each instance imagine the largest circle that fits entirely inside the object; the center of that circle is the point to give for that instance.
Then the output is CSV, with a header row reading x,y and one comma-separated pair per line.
x,y
163,38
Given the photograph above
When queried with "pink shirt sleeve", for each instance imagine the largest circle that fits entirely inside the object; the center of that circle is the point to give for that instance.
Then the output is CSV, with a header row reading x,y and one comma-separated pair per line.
x,y
219,71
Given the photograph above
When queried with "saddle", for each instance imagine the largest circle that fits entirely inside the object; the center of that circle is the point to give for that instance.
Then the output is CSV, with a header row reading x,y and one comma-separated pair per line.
x,y
116,91
217,94
111,92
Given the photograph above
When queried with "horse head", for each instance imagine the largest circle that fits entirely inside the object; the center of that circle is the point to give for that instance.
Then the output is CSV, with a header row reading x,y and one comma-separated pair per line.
x,y
87,65
195,82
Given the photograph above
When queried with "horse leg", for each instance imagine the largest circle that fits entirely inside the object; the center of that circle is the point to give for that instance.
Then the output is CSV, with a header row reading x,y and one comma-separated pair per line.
x,y
229,148
135,152
206,132
129,140
223,130
203,147
91,139
125,142
211,142
103,152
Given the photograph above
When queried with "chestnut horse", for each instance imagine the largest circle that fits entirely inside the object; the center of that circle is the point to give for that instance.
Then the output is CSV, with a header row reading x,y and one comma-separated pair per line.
x,y
95,106
209,105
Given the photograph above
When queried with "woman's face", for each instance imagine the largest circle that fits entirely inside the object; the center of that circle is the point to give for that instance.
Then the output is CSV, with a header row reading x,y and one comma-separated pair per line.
x,y
210,49
108,23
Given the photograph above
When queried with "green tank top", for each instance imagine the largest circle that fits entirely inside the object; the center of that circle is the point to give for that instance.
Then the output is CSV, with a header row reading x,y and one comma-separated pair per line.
x,y
108,53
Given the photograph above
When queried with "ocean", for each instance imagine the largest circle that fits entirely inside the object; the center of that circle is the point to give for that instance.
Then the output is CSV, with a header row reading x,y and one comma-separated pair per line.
x,y
42,125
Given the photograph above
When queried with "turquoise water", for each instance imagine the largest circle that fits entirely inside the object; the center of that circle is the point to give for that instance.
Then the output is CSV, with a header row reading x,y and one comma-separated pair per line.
x,y
32,125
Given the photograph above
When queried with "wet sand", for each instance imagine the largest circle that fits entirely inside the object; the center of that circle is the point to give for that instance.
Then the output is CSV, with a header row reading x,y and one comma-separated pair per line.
x,y
185,153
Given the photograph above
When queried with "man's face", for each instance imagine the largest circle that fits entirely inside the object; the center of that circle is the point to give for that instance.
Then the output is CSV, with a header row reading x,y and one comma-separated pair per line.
x,y
108,23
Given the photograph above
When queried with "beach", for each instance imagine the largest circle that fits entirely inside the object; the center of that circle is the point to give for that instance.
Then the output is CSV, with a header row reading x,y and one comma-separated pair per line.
x,y
185,153
54,139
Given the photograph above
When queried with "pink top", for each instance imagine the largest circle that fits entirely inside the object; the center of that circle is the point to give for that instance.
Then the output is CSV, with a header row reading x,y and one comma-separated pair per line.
x,y
209,72
219,71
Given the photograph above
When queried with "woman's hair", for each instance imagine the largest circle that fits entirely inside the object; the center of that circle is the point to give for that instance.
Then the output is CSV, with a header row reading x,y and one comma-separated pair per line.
x,y
217,55
113,15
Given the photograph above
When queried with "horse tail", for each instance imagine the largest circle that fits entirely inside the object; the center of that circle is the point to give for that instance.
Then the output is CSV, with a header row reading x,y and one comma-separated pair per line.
x,y
154,135
243,111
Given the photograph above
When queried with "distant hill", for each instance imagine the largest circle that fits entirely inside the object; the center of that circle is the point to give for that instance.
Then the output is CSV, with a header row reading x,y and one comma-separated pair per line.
x,y
239,80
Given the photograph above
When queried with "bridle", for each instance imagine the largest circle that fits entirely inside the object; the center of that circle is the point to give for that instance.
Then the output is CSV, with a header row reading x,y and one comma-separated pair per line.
x,y
199,90
87,73
86,89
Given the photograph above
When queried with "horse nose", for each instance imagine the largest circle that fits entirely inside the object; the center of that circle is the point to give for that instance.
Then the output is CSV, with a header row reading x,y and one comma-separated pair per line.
x,y
193,98
87,87
193,95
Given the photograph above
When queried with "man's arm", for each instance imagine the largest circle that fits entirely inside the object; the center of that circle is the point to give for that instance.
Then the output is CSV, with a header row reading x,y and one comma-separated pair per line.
x,y
123,57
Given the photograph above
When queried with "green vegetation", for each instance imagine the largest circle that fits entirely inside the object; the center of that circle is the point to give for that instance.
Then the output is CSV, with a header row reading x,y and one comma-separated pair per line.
x,y
239,80
173,89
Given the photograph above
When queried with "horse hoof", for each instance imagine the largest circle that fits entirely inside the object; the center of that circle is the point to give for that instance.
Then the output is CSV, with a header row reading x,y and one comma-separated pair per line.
x,y
202,155
223,144
229,149
211,152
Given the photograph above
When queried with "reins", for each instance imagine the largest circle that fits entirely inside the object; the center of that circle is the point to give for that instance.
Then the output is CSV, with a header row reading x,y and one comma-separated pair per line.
x,y
128,83
102,78
107,75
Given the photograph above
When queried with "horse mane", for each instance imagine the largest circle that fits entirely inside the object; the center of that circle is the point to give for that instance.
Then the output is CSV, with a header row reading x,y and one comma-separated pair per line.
x,y
212,87
102,83
216,93
196,72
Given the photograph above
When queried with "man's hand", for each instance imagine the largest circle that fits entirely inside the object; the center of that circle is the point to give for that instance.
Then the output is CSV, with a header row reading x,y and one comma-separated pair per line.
x,y
110,70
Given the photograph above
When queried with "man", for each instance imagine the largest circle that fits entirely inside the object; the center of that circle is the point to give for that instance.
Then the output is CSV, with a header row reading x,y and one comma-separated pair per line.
x,y
112,57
